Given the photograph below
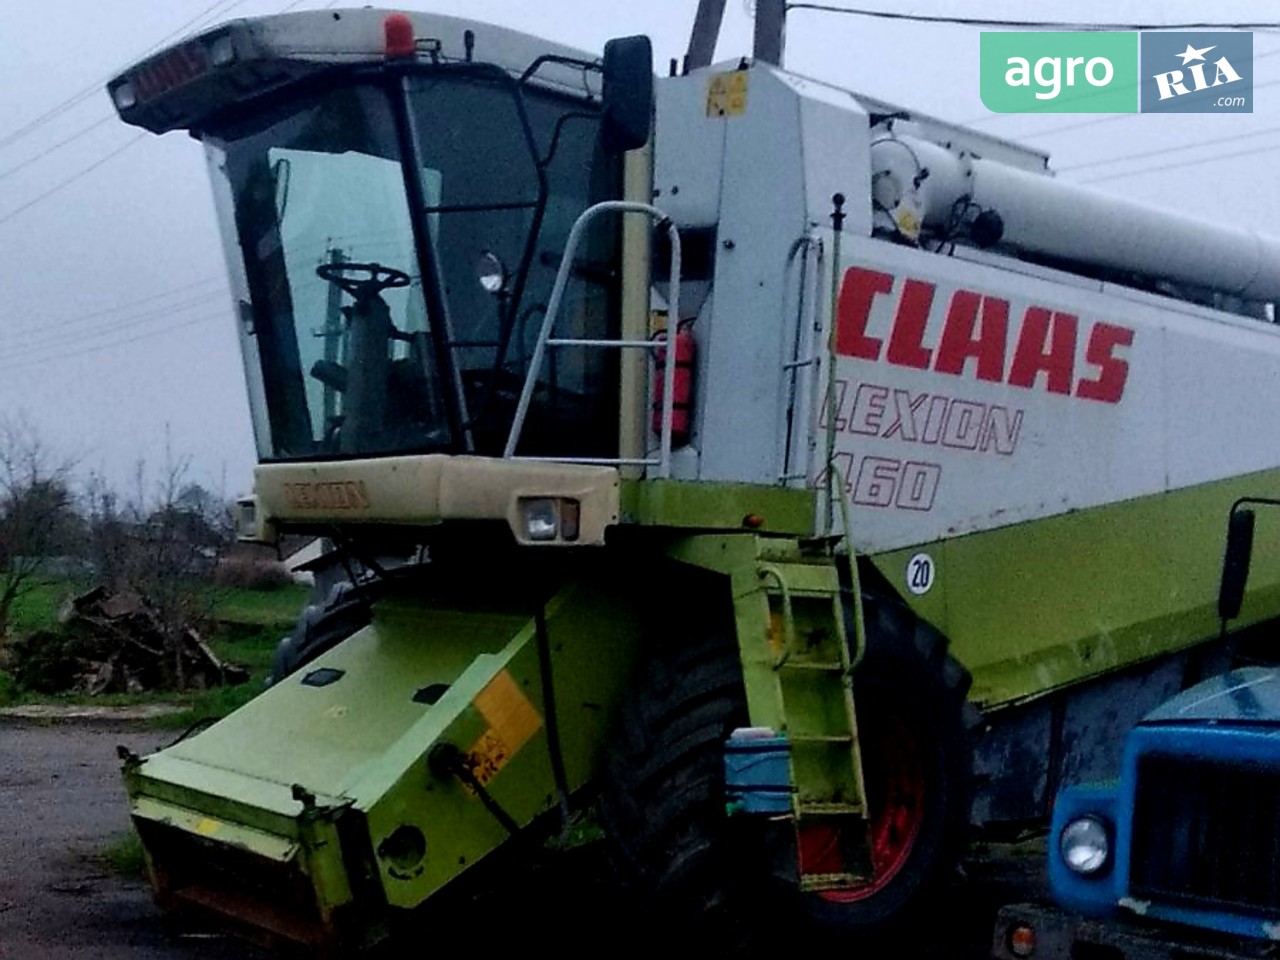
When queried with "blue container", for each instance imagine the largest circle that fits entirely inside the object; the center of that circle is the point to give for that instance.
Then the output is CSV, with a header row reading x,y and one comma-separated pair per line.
x,y
757,773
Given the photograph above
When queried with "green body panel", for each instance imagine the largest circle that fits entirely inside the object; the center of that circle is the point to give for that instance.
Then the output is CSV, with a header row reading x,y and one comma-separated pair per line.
x,y
739,557
694,505
797,670
269,846
332,739
1041,605
358,747
593,643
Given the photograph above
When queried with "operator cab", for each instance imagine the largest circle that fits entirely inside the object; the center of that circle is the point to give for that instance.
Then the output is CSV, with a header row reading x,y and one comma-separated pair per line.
x,y
394,220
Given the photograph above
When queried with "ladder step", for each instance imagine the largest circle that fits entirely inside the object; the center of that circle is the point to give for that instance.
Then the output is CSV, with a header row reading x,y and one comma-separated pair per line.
x,y
829,881
819,808
827,666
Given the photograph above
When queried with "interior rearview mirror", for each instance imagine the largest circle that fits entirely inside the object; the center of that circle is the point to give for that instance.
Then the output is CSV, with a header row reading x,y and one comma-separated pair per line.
x,y
628,93
1235,563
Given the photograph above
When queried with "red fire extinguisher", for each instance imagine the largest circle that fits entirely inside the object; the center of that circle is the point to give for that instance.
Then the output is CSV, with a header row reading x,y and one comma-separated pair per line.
x,y
682,392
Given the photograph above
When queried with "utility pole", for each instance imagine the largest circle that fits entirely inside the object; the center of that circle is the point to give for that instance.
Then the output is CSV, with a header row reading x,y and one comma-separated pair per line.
x,y
706,31
770,33
771,25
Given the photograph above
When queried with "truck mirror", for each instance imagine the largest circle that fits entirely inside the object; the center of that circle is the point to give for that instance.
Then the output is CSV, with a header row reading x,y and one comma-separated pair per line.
x,y
1235,563
628,93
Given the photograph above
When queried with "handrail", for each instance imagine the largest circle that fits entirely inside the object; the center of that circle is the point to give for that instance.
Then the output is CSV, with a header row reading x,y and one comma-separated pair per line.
x,y
764,571
802,350
545,340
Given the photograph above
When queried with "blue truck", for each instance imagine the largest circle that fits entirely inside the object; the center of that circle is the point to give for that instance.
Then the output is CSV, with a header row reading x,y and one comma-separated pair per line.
x,y
1179,856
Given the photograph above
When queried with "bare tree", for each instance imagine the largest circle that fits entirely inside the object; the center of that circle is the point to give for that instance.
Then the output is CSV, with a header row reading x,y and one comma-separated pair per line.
x,y
37,511
160,541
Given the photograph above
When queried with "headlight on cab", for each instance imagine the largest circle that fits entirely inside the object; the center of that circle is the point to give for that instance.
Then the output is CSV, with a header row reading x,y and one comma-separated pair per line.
x,y
545,519
540,520
1085,844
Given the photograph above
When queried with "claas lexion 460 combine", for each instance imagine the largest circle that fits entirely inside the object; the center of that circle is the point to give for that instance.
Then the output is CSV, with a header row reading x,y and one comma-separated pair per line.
x,y
809,476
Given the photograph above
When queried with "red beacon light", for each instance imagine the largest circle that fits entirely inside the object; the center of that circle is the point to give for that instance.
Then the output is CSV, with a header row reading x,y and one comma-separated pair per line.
x,y
398,32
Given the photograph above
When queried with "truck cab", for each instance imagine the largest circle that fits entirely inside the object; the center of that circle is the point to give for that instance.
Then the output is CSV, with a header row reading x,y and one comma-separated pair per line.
x,y
1179,855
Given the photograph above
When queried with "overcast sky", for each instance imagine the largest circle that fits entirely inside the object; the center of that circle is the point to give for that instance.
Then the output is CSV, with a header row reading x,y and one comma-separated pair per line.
x,y
115,322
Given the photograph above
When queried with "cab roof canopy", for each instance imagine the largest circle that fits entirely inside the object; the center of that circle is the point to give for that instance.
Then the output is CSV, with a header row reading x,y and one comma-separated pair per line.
x,y
185,84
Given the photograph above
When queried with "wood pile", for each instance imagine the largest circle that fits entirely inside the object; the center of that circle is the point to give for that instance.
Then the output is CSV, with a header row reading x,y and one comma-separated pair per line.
x,y
118,643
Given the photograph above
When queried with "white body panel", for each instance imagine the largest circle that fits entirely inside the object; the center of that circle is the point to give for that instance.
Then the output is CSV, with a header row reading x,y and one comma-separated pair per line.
x,y
986,454
690,153
1142,394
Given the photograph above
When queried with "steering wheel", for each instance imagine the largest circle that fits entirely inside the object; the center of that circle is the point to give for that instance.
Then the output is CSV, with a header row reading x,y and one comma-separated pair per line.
x,y
362,280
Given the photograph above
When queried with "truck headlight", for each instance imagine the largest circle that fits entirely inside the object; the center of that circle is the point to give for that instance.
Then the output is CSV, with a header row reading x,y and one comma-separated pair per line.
x,y
1086,845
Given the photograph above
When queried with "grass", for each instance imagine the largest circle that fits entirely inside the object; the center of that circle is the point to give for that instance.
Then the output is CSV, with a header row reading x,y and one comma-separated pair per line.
x,y
248,625
259,608
124,855
37,608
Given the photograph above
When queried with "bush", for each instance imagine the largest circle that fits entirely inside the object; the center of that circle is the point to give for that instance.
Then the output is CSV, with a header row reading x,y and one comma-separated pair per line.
x,y
251,573
44,661
9,689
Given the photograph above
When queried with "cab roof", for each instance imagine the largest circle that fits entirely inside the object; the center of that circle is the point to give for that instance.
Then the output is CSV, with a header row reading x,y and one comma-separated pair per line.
x,y
186,83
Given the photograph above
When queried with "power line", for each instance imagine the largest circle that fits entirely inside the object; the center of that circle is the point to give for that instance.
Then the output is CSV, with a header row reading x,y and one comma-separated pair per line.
x,y
54,337
71,179
1166,150
107,346
1032,135
1109,118
1033,24
1173,166
151,298
1094,121
95,88
89,91
57,146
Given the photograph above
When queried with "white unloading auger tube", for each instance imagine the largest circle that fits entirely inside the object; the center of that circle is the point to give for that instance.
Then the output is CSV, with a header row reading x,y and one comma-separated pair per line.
x,y
1044,215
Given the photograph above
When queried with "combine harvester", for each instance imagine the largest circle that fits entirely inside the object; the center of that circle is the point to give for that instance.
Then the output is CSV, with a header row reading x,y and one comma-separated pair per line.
x,y
735,444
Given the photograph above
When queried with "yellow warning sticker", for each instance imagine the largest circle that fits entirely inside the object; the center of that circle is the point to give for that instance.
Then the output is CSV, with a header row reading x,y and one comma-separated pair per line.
x,y
908,222
512,720
488,755
727,94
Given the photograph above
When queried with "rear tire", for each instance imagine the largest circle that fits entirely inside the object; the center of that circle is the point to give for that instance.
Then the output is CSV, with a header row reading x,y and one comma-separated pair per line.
x,y
914,725
664,799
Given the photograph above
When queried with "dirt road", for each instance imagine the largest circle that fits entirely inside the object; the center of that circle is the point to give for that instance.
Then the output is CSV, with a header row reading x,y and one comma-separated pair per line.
x,y
62,803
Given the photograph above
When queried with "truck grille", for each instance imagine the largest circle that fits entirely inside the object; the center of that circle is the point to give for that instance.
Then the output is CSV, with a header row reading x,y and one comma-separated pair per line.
x,y
1206,835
